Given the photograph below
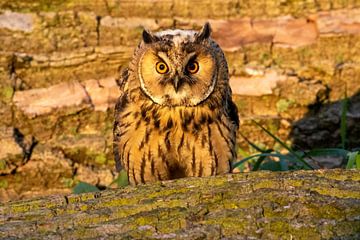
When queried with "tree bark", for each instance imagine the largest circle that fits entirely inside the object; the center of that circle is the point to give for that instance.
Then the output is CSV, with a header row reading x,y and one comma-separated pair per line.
x,y
258,205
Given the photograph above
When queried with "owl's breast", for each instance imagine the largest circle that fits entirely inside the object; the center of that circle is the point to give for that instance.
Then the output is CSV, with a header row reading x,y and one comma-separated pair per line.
x,y
168,127
184,141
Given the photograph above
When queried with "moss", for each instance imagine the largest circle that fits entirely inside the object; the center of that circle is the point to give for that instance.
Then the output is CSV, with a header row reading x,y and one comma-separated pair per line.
x,y
281,208
266,213
327,212
335,192
68,182
168,226
247,203
2,164
92,219
7,93
24,207
4,183
84,155
167,192
230,205
145,220
344,228
82,197
265,184
142,232
34,5
283,105
119,202
230,225
83,208
284,230
351,175
100,158
294,182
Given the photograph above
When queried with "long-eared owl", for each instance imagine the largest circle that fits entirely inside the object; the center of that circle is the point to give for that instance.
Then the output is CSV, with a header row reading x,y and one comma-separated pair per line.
x,y
175,117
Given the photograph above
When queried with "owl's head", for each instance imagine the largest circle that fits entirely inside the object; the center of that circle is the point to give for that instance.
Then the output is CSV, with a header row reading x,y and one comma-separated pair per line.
x,y
179,67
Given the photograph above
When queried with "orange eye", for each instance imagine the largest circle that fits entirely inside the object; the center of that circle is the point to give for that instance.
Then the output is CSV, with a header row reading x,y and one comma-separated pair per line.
x,y
192,67
161,67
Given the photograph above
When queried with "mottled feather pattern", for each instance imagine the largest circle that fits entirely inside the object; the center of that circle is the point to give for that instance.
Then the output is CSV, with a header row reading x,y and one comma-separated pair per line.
x,y
159,141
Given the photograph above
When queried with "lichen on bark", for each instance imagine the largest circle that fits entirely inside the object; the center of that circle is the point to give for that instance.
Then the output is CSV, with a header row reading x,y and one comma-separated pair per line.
x,y
257,205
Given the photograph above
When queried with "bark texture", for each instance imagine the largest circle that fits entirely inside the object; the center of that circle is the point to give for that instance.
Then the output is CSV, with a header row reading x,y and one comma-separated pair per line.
x,y
259,205
290,63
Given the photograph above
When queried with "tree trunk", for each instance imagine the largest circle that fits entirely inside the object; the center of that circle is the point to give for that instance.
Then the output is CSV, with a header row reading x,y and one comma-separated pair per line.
x,y
259,205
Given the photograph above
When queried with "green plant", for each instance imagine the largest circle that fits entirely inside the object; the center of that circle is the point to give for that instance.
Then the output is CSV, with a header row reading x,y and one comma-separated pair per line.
x,y
83,187
269,159
121,180
353,160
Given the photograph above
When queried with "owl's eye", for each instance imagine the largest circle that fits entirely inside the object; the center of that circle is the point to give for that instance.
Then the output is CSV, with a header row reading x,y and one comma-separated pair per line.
x,y
161,67
192,67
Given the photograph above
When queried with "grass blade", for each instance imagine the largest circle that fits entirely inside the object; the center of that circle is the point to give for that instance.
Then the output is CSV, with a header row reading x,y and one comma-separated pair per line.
x,y
284,145
352,157
357,160
260,160
252,144
235,165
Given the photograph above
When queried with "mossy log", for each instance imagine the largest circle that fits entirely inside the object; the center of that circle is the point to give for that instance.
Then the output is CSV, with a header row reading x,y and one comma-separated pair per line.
x,y
259,205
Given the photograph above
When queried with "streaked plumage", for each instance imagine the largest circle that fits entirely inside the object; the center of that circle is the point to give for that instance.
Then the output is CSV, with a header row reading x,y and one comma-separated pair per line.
x,y
175,117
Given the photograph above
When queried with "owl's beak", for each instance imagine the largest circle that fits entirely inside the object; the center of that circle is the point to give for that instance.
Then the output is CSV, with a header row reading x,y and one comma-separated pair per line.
x,y
176,83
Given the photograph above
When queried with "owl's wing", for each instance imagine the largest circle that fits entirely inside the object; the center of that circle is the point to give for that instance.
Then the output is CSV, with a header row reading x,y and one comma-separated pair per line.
x,y
119,107
233,112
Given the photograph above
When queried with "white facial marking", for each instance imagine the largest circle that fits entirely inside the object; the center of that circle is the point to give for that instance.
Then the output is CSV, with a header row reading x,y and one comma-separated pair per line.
x,y
179,35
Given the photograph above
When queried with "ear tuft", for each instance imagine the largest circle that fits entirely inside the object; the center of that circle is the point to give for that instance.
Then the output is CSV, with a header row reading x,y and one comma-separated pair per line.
x,y
204,32
149,37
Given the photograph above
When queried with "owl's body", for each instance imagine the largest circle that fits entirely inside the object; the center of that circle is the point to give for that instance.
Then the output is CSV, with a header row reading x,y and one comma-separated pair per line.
x,y
175,117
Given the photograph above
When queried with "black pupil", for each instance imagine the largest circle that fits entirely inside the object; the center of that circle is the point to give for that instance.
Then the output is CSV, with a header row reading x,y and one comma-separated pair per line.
x,y
162,66
191,66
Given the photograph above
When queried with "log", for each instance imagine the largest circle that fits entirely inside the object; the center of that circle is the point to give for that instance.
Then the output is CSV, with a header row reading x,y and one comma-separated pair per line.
x,y
323,204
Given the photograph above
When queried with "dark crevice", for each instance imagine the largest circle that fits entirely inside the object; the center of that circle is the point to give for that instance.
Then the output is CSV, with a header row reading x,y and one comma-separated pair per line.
x,y
66,200
271,48
16,82
100,186
27,148
12,79
245,58
98,22
88,97
12,72
11,65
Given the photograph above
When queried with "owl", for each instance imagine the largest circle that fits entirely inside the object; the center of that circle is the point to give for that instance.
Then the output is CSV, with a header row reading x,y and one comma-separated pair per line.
x,y
175,117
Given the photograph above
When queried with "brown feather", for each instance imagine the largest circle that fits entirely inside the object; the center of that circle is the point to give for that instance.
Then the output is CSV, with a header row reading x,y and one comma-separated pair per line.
x,y
161,133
